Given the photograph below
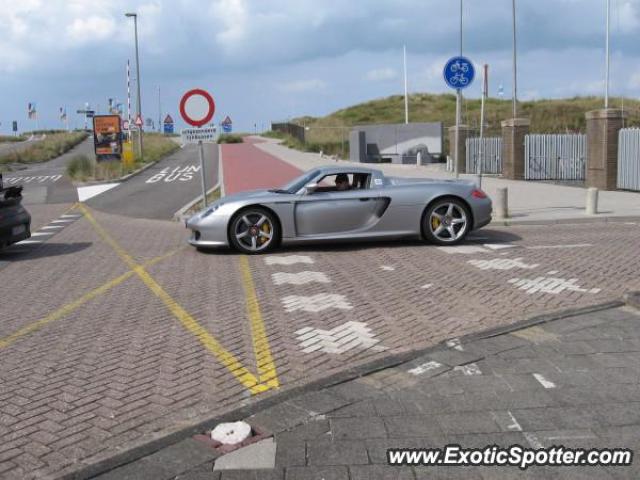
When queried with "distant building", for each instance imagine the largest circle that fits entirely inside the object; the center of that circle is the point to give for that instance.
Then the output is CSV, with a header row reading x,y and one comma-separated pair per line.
x,y
396,143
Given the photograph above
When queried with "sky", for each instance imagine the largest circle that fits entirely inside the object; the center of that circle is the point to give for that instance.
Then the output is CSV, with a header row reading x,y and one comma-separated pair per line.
x,y
272,60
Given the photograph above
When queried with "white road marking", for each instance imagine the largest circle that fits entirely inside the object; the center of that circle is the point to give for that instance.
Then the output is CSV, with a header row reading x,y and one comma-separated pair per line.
x,y
85,193
183,174
52,227
63,221
28,242
288,260
463,249
387,268
543,247
515,425
553,272
425,367
550,285
339,339
300,278
315,303
533,440
502,264
70,216
470,369
455,344
498,246
571,437
426,285
543,381
29,179
41,234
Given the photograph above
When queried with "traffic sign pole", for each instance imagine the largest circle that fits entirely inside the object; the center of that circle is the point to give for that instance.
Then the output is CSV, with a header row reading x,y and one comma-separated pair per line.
x,y
204,187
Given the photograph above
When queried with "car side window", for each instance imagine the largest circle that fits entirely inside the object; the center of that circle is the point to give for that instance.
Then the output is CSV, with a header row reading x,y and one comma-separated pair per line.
x,y
343,182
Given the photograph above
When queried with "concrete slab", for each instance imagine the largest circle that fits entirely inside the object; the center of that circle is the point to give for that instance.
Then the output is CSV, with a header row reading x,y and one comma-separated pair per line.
x,y
260,455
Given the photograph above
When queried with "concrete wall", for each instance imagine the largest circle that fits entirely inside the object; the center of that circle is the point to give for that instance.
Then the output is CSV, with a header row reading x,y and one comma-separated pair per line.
x,y
397,143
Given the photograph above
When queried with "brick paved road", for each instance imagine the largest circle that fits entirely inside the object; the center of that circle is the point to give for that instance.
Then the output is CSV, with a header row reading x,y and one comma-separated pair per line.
x,y
133,336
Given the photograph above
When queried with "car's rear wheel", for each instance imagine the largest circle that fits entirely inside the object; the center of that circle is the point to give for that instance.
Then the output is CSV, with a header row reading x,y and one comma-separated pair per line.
x,y
446,222
254,230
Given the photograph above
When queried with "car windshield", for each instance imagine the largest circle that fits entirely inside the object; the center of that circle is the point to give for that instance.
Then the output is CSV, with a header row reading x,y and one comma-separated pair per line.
x,y
297,183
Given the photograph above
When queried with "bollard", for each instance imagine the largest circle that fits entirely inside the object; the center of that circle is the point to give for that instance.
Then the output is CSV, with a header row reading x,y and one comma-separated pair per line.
x,y
592,201
502,204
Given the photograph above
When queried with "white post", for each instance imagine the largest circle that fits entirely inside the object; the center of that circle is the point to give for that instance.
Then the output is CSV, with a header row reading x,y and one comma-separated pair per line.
x,y
406,95
419,159
502,203
592,201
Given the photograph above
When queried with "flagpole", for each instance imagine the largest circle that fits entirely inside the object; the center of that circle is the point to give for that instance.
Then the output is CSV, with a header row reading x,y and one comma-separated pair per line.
x,y
406,96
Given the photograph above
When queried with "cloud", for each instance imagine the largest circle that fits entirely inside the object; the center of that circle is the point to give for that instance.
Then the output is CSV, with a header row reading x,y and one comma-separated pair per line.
x,y
301,86
92,29
381,75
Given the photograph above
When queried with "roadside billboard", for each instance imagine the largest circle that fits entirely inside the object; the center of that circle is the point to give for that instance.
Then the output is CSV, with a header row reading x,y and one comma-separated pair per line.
x,y
107,137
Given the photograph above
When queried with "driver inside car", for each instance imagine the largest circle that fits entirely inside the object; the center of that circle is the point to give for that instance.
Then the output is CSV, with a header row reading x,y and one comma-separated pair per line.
x,y
342,182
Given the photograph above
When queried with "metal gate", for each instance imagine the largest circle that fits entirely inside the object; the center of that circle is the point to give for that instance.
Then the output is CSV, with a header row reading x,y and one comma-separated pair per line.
x,y
555,157
491,154
629,159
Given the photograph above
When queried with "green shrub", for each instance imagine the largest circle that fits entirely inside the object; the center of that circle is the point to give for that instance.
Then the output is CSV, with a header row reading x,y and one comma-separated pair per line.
x,y
52,146
80,167
230,138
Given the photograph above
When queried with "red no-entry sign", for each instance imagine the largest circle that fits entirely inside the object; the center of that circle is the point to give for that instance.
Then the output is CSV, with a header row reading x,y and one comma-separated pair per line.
x,y
197,107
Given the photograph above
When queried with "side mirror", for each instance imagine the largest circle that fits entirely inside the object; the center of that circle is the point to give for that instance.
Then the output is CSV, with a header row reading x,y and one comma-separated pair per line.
x,y
310,188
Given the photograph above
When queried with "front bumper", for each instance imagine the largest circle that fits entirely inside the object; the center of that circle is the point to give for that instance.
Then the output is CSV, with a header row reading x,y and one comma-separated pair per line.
x,y
8,235
482,210
208,232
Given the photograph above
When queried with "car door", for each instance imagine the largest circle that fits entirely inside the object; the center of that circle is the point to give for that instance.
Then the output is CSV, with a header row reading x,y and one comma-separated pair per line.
x,y
330,213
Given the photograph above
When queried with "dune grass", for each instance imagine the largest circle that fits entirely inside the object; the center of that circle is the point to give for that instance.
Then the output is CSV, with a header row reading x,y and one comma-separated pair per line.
x,y
52,146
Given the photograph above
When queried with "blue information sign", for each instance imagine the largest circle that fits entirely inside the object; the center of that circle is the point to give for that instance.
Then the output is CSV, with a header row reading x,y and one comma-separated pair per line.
x,y
459,72
227,125
168,128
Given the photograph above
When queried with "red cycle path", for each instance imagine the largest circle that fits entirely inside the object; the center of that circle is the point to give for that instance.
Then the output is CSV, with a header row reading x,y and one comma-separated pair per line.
x,y
246,167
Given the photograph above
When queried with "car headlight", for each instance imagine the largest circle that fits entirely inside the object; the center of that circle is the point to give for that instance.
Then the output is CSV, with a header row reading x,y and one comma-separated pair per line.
x,y
210,211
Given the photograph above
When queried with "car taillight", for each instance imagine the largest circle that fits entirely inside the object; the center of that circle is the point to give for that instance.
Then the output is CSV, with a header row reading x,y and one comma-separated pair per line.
x,y
478,194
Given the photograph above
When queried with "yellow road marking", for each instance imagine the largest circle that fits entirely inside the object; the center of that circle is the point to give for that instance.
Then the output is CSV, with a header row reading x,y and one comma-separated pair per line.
x,y
244,376
261,349
70,307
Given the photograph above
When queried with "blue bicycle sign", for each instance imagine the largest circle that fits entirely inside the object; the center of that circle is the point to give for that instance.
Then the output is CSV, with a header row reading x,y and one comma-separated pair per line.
x,y
459,72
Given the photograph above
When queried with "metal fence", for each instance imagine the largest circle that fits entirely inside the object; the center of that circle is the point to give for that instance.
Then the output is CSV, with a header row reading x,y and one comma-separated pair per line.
x,y
555,157
629,159
491,154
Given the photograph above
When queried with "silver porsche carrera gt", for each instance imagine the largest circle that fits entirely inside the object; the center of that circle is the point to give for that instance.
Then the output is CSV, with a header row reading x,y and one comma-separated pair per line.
x,y
342,203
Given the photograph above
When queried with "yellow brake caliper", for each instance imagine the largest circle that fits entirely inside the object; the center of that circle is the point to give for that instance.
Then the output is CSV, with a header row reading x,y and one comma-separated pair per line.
x,y
265,228
435,223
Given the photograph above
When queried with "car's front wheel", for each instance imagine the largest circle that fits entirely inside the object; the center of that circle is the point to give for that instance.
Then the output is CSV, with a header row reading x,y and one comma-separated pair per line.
x,y
446,222
254,230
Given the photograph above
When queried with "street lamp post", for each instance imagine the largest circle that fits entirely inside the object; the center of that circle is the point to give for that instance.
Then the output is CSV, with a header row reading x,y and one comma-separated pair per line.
x,y
607,60
139,100
515,65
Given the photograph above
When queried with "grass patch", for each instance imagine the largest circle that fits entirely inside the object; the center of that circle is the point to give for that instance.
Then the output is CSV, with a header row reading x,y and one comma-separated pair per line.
x,y
230,138
80,167
155,147
52,146
12,138
328,147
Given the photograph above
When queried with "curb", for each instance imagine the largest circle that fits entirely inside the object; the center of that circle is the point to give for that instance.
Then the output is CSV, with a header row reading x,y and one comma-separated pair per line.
x,y
632,299
505,222
179,216
390,361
